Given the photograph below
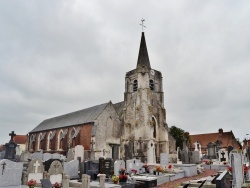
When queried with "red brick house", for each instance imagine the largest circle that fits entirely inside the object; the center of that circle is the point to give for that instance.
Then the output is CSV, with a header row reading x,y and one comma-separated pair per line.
x,y
223,139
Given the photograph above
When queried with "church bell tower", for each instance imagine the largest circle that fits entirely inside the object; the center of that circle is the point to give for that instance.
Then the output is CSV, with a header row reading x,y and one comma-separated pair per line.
x,y
145,131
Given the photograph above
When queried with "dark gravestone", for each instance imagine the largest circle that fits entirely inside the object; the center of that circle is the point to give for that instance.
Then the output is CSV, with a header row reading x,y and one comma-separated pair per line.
x,y
229,149
139,184
149,183
127,185
115,152
128,151
10,148
46,183
224,180
91,168
48,163
211,150
106,166
248,153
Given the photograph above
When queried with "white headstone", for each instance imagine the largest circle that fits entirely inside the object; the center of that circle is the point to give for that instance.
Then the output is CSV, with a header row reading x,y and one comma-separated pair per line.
x,y
70,154
237,170
196,146
151,152
71,168
164,160
79,152
118,165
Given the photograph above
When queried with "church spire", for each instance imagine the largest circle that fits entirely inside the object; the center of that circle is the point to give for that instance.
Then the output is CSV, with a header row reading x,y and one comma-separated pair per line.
x,y
143,59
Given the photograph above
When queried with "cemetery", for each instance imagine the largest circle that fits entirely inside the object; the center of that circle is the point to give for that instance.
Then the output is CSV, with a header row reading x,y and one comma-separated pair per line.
x,y
40,169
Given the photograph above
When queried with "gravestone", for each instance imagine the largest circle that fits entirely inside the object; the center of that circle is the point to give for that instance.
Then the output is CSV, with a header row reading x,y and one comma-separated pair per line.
x,y
56,156
118,165
195,157
133,164
47,156
2,154
79,152
56,172
37,155
48,163
18,150
211,150
229,149
237,170
34,171
10,148
46,183
106,166
71,168
10,173
164,160
223,155
91,168
70,154
25,156
128,150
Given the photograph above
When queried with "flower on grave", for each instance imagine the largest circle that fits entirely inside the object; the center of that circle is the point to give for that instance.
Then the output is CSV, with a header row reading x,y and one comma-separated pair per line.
x,y
159,169
122,170
115,178
123,177
246,168
229,169
56,185
31,183
170,166
134,171
208,162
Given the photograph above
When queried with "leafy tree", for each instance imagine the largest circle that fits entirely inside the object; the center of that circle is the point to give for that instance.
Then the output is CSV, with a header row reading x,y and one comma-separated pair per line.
x,y
179,135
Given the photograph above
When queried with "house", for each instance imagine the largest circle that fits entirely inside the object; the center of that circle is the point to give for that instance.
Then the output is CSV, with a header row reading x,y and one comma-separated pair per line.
x,y
221,139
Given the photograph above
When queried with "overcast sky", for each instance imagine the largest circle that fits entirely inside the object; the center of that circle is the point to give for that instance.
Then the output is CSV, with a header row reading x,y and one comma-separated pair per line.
x,y
61,56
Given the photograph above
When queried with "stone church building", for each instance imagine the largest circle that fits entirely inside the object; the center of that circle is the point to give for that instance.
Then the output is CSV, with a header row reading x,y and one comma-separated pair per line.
x,y
133,128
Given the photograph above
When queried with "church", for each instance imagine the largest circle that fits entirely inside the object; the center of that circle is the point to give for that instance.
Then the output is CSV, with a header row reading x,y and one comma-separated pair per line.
x,y
133,128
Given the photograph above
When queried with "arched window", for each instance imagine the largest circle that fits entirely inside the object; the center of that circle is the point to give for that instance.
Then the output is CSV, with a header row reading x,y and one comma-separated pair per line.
x,y
60,140
49,138
151,85
154,126
135,85
73,138
39,141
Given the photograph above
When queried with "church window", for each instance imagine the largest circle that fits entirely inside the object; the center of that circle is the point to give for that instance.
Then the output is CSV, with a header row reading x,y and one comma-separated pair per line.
x,y
39,141
49,141
73,138
135,85
154,126
151,85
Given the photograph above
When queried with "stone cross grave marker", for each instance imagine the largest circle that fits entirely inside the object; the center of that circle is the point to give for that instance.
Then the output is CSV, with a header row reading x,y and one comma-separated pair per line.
x,y
35,171
196,146
10,173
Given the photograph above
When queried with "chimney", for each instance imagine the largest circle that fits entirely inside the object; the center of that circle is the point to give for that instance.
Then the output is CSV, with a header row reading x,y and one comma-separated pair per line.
x,y
221,131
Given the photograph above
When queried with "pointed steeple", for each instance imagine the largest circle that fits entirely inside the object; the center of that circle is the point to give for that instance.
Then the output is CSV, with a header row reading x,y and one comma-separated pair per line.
x,y
143,59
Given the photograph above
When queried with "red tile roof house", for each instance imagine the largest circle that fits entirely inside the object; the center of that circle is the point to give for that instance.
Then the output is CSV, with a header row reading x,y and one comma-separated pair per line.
x,y
225,139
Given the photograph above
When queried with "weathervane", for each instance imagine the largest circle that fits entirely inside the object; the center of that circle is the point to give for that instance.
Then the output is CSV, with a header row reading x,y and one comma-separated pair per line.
x,y
142,20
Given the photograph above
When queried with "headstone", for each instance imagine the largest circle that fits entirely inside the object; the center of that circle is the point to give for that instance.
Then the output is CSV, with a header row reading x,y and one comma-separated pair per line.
x,y
211,150
56,172
164,160
237,170
2,154
35,170
37,155
229,149
48,163
18,150
46,183
70,154
151,152
79,152
133,164
56,156
128,150
71,168
90,168
10,173
47,156
25,156
10,148
118,165
195,157
106,166
196,146
223,155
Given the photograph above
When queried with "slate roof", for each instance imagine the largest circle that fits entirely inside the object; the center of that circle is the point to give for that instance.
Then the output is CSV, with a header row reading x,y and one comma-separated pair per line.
x,y
119,107
143,59
227,139
86,115
20,139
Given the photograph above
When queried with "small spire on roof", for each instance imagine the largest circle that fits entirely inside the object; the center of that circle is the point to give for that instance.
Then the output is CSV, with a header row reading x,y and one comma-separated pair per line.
x,y
143,59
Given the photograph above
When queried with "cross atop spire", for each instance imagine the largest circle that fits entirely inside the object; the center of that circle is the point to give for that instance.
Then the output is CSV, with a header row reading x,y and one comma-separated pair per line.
x,y
142,20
